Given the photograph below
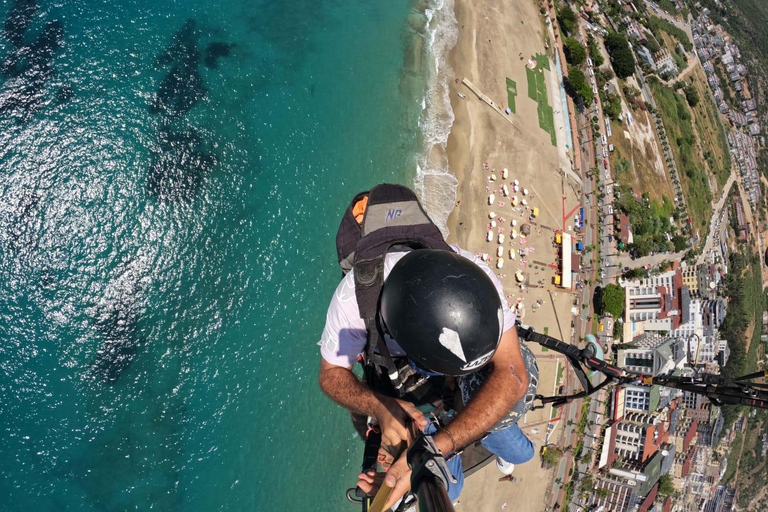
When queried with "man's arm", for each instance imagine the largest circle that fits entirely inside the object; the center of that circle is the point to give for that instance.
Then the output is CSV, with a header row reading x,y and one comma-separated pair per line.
x,y
343,387
503,388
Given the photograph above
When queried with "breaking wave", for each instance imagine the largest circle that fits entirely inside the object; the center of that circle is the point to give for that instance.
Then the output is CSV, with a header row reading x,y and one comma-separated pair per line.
x,y
435,183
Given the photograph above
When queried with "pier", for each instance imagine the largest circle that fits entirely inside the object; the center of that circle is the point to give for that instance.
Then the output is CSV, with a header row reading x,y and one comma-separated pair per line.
x,y
483,97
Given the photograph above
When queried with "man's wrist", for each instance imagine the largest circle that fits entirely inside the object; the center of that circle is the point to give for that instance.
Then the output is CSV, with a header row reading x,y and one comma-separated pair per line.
x,y
444,443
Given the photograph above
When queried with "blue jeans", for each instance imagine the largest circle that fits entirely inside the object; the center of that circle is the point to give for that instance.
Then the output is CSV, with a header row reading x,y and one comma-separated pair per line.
x,y
511,444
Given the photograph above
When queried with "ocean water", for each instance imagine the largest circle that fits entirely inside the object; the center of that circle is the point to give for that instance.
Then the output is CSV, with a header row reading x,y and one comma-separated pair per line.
x,y
171,179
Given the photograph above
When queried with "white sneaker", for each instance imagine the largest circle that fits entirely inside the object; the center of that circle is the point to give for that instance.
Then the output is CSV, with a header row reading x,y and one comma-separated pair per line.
x,y
505,467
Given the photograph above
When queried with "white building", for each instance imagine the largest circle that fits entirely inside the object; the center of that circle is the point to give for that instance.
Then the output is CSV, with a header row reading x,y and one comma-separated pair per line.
x,y
659,302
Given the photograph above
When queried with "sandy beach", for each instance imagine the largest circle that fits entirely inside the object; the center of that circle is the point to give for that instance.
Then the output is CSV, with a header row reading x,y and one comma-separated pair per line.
x,y
496,42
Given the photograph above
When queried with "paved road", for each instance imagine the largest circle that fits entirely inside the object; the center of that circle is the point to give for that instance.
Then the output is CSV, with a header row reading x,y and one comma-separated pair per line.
x,y
714,222
625,261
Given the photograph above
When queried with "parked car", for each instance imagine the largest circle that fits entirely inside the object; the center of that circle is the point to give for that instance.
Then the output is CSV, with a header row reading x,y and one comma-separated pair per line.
x,y
605,153
604,140
610,210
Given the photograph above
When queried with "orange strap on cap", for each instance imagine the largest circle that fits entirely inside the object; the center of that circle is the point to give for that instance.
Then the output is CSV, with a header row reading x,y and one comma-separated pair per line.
x,y
358,211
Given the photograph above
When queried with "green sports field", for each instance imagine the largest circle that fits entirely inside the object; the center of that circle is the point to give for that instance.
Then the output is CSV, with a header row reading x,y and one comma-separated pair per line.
x,y
511,95
537,91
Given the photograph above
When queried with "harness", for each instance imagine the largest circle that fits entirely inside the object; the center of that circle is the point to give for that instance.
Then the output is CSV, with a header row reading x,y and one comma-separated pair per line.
x,y
393,220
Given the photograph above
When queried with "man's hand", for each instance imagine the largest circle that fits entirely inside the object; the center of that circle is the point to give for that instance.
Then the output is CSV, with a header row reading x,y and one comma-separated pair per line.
x,y
398,420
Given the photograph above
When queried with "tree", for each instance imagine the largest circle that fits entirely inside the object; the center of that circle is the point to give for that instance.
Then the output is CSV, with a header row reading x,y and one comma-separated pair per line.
x,y
577,85
567,18
575,54
666,487
613,300
603,493
594,52
680,243
551,455
691,95
621,56
597,301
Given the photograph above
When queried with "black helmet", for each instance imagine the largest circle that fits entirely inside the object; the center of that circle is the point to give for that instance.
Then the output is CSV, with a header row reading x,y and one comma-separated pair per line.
x,y
443,310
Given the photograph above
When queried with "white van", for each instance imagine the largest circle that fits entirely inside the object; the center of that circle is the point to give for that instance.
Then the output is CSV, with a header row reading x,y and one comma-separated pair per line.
x,y
604,140
605,153
589,62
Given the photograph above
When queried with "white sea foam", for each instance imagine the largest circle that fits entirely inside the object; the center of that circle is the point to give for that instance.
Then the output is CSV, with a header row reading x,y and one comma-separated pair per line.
x,y
435,183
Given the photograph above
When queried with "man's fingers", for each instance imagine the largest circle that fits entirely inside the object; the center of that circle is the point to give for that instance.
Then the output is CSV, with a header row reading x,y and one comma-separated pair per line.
x,y
416,415
370,482
399,478
367,477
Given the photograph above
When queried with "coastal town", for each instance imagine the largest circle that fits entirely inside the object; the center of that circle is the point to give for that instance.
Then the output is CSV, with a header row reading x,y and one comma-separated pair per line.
x,y
646,243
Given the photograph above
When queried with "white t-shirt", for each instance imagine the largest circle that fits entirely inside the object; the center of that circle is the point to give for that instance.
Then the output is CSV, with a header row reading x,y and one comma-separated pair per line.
x,y
344,335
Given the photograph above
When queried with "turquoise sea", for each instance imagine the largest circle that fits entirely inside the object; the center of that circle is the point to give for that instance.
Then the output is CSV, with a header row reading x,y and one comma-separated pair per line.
x,y
171,179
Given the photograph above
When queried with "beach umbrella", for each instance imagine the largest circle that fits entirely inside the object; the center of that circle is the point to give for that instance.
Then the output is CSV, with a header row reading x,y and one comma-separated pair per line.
x,y
514,200
514,223
491,199
501,238
525,203
519,276
525,191
505,190
516,183
489,237
492,215
499,263
493,177
513,234
504,173
499,251
512,254
493,223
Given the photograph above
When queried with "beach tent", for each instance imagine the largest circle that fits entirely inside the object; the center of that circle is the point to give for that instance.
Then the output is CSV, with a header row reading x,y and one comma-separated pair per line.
x,y
519,276
558,237
525,229
492,215
491,199
489,237
504,173
556,279
500,251
501,238
535,212
499,263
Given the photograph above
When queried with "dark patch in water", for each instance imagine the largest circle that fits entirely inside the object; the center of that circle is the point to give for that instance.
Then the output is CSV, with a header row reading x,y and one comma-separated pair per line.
x,y
215,51
20,16
179,164
183,86
64,94
24,225
29,68
181,158
121,343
